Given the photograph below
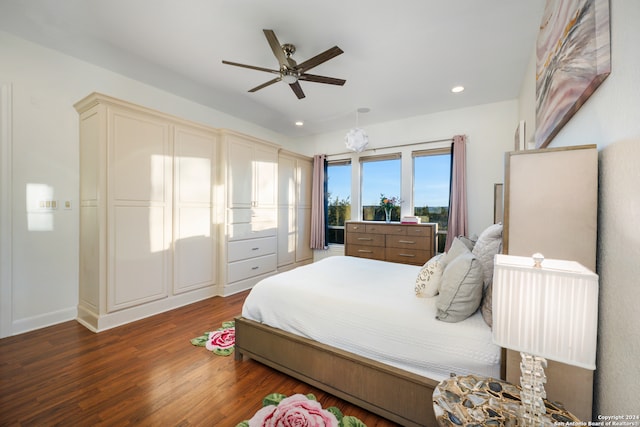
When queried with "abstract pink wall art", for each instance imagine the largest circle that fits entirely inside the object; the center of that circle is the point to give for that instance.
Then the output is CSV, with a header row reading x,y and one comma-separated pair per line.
x,y
573,57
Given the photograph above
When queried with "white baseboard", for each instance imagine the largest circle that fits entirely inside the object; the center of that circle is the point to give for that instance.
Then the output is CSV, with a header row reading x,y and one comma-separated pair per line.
x,y
43,320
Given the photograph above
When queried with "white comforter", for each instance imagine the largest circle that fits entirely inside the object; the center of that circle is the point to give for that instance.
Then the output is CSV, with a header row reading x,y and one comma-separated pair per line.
x,y
369,308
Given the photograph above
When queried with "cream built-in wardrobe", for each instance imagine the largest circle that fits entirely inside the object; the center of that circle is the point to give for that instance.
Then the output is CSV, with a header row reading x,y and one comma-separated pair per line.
x,y
148,230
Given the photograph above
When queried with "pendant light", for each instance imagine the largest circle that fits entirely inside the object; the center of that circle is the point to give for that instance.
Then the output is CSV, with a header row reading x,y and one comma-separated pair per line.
x,y
356,139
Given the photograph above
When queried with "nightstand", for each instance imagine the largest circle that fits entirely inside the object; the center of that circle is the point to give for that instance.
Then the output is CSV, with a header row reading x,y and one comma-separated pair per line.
x,y
476,400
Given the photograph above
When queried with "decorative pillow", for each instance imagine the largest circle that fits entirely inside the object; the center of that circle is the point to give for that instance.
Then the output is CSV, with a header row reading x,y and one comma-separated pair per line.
x,y
428,280
488,245
457,248
460,289
469,243
485,307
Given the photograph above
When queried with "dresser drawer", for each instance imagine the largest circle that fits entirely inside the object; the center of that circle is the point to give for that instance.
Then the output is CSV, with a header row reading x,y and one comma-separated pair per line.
x,y
373,252
386,229
407,256
244,249
244,269
354,228
408,242
419,231
365,239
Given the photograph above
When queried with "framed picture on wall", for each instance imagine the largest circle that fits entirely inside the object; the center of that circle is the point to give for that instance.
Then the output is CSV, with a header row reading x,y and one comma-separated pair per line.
x,y
573,57
498,203
519,137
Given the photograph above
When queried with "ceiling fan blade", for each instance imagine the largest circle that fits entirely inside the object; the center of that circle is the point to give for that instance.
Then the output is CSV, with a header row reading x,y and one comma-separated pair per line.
x,y
252,67
276,47
319,59
322,79
297,89
263,85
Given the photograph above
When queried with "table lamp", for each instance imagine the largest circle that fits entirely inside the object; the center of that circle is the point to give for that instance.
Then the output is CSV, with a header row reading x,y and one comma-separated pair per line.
x,y
545,309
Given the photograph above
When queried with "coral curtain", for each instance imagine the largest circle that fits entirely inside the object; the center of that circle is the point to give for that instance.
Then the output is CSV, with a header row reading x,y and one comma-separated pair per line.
x,y
318,203
458,222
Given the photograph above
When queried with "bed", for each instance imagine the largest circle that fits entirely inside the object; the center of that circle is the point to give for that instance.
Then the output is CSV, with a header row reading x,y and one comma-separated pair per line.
x,y
354,327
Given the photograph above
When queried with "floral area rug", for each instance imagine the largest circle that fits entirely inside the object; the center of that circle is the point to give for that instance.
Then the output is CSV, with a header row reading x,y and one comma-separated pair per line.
x,y
221,341
298,410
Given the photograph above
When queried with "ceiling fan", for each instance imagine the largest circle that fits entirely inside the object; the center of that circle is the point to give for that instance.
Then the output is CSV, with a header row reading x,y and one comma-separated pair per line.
x,y
291,72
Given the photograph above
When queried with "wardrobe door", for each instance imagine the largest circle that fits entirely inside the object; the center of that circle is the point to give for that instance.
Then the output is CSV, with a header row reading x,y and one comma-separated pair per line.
x,y
194,225
140,207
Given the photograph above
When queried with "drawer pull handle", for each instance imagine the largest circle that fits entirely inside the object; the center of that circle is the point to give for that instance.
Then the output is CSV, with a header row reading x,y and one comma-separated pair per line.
x,y
254,249
365,238
407,255
410,242
364,251
255,268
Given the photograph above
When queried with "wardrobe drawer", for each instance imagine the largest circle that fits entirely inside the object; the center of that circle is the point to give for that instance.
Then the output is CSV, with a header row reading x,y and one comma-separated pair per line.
x,y
251,248
408,242
365,239
373,252
244,269
246,215
251,230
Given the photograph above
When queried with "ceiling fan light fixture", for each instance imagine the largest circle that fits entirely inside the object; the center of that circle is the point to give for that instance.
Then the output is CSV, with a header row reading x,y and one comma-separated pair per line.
x,y
288,76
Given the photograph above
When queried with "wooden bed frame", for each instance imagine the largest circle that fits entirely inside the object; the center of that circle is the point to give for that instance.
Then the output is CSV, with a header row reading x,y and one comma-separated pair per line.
x,y
400,396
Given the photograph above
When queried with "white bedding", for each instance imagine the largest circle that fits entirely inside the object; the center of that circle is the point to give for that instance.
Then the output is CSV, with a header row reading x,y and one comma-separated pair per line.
x,y
369,308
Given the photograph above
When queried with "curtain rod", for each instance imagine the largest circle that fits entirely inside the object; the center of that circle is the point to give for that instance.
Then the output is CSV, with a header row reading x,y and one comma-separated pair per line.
x,y
395,146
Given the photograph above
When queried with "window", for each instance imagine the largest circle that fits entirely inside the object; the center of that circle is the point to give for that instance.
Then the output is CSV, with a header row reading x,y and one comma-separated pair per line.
x,y
380,176
338,199
431,182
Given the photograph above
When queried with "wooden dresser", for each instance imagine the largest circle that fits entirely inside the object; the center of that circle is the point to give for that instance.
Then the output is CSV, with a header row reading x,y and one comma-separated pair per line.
x,y
394,242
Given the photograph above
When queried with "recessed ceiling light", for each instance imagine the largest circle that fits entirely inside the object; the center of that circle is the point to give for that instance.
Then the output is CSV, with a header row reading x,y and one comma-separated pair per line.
x,y
457,89
299,123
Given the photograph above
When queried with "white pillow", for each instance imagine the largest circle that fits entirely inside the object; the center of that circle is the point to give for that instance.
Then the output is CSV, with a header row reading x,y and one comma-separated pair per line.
x,y
488,245
460,289
457,248
428,280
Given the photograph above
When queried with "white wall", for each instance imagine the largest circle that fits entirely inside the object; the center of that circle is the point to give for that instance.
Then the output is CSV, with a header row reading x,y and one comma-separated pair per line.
x,y
45,85
611,119
490,133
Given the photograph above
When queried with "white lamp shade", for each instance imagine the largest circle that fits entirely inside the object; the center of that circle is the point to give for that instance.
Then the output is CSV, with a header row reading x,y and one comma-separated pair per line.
x,y
551,311
356,140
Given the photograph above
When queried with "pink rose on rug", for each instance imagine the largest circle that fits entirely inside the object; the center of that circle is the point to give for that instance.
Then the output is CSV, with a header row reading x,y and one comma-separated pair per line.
x,y
223,339
294,411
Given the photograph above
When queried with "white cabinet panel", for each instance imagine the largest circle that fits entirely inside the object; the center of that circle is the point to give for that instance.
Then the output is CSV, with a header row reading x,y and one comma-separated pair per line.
x,y
240,175
287,235
194,226
294,214
303,235
139,156
194,249
140,256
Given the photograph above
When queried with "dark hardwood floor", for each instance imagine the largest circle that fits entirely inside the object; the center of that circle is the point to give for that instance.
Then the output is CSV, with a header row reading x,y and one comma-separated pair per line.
x,y
145,373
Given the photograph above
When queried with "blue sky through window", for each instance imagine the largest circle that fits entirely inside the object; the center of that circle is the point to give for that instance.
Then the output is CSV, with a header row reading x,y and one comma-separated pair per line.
x,y
431,180
380,177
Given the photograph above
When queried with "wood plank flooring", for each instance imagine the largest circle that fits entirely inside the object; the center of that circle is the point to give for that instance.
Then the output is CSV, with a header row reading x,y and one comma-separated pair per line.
x,y
145,373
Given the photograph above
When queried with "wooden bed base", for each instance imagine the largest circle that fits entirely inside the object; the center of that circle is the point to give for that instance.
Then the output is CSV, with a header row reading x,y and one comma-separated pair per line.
x,y
400,396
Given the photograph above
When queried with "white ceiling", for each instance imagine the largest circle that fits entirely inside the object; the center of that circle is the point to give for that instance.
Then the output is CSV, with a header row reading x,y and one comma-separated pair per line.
x,y
400,58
